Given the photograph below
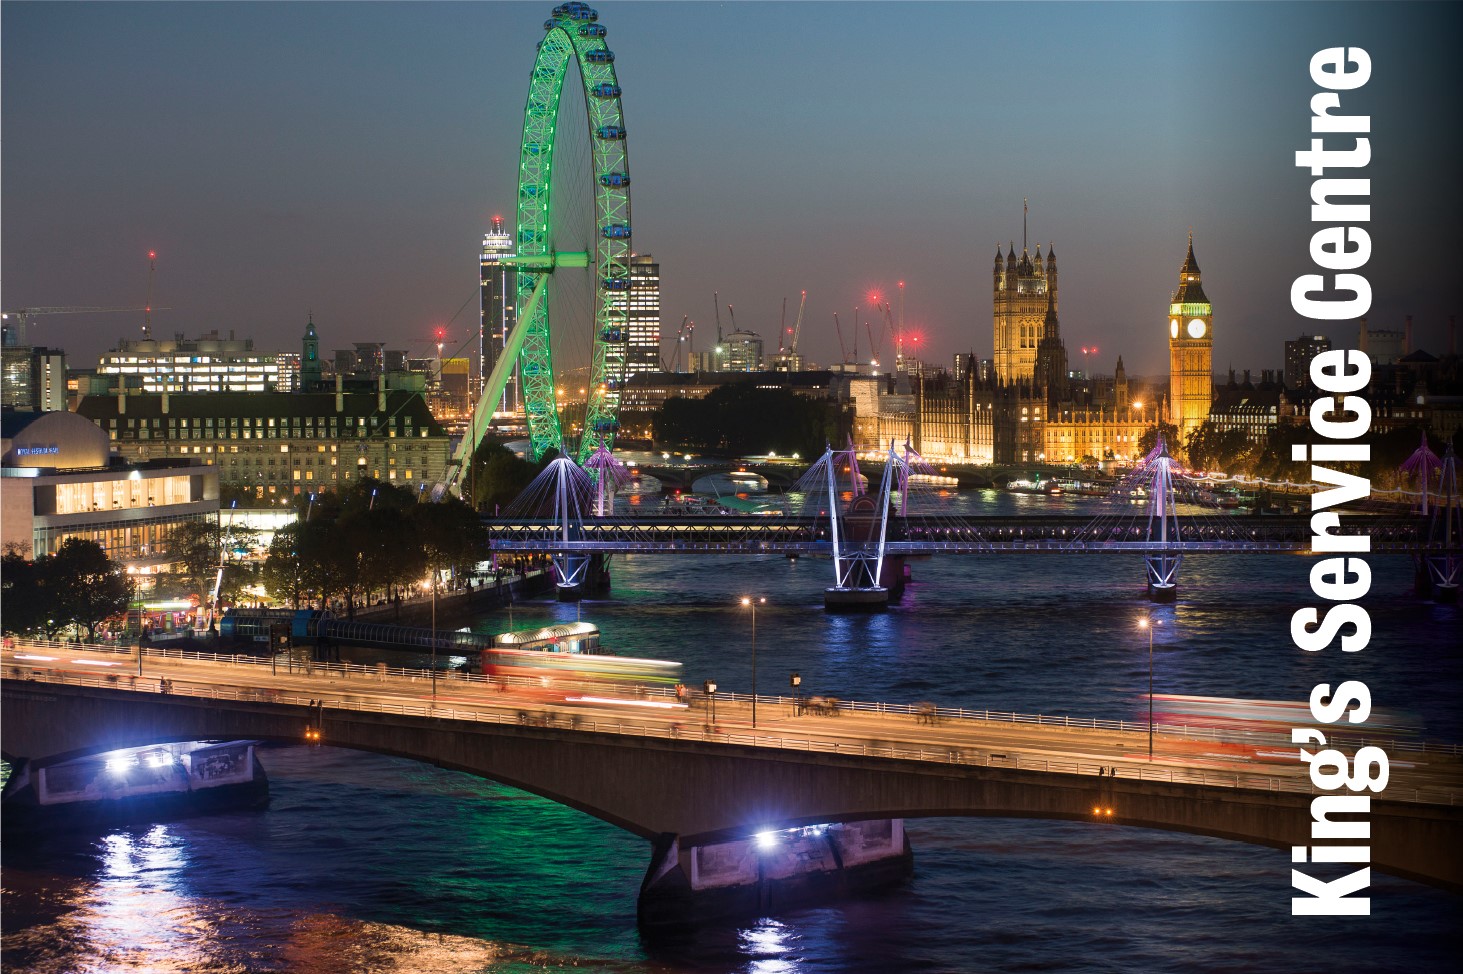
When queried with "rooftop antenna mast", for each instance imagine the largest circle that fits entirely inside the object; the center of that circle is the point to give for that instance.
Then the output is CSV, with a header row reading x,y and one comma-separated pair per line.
x,y
147,311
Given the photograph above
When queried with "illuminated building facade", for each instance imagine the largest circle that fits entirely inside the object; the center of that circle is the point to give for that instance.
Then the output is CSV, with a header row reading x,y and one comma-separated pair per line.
x,y
1022,288
499,287
206,364
642,315
34,378
309,368
741,351
1298,355
278,443
1190,349
61,481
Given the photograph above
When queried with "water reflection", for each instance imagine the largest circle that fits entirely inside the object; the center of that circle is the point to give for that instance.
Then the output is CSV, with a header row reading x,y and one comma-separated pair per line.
x,y
131,916
766,947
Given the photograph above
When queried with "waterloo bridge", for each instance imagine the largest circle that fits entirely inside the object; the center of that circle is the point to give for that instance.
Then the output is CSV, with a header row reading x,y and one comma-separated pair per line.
x,y
810,799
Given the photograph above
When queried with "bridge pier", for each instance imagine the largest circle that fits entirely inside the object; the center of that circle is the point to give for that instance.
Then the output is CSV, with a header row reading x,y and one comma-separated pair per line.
x,y
771,871
1163,577
1440,574
587,576
874,598
1422,583
894,575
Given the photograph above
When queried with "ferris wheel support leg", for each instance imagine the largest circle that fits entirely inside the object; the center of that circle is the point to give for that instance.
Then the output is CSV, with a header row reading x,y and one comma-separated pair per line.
x,y
492,391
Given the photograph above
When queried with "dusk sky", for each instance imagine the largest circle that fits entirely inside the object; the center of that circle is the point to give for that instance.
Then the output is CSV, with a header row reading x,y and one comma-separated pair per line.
x,y
346,158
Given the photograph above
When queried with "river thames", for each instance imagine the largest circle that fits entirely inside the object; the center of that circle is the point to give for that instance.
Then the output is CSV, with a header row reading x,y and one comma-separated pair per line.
x,y
368,863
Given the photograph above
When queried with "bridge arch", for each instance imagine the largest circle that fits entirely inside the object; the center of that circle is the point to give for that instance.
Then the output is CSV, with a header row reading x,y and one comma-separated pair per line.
x,y
705,791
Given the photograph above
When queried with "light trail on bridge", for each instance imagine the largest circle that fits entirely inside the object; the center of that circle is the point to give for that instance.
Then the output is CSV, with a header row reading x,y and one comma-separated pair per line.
x,y
1421,773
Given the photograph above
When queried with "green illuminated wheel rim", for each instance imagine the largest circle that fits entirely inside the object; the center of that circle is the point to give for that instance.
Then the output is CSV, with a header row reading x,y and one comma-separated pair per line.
x,y
572,32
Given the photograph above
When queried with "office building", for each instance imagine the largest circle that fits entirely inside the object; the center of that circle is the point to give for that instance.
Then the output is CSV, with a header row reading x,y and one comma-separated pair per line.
x,y
1298,355
277,443
499,315
34,378
209,363
642,315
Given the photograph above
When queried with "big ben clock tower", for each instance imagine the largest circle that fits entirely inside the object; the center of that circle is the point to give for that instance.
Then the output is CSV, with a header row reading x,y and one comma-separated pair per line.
x,y
1190,348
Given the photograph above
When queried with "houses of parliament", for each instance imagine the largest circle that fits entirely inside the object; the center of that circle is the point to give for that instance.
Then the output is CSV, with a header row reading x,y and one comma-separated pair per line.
x,y
1027,405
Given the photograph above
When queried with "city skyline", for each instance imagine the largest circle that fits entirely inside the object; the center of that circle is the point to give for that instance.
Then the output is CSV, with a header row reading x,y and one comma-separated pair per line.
x,y
279,165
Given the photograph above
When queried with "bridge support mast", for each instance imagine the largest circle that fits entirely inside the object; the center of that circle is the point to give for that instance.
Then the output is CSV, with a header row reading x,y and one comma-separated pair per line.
x,y
1445,570
1163,527
858,563
572,570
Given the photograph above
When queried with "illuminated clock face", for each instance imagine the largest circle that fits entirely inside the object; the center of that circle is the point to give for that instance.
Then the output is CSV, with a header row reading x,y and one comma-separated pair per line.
x,y
1196,328
1173,327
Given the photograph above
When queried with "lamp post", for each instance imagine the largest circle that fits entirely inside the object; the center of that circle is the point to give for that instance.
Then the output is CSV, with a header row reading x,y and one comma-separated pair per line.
x,y
434,633
797,702
749,601
1150,625
710,689
132,578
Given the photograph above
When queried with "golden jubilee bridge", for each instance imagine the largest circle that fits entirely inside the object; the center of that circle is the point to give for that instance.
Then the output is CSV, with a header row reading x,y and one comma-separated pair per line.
x,y
867,532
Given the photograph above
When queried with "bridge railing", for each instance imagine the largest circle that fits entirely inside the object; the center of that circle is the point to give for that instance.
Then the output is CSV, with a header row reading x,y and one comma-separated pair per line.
x,y
966,755
829,705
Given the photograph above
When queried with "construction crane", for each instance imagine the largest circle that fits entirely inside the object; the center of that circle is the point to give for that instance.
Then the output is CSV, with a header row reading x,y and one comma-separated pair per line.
x,y
687,330
797,326
890,329
16,321
782,330
716,307
843,349
147,312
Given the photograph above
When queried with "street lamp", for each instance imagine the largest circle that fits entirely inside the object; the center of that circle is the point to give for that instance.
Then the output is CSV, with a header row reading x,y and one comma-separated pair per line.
x,y
132,577
710,689
1150,625
749,601
797,703
434,633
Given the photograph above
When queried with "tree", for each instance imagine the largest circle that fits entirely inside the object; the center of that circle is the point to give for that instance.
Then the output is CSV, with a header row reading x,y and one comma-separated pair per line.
x,y
237,578
385,556
450,534
24,596
498,476
1149,439
89,586
196,547
281,571
369,494
1211,448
